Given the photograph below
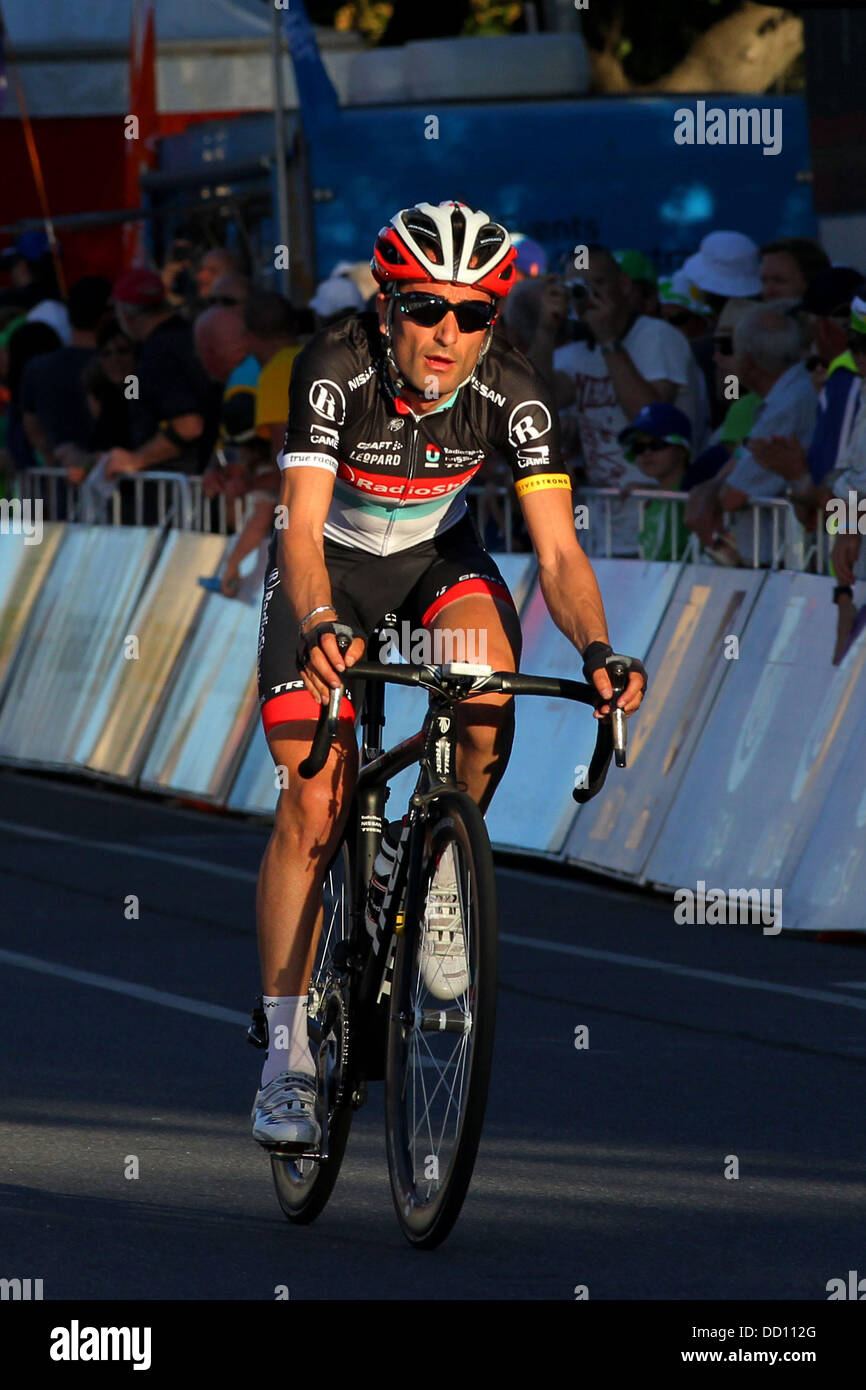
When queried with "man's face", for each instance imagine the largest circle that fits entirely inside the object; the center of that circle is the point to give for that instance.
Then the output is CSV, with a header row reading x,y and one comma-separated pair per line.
x,y
605,275
660,461
212,267
20,273
436,359
781,277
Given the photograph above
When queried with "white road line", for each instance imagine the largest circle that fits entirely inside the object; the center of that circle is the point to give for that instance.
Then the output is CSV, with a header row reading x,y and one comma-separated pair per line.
x,y
247,876
133,991
822,996
182,860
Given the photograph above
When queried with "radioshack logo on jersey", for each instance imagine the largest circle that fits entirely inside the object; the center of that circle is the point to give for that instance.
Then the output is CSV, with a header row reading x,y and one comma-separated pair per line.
x,y
538,457
328,400
529,420
432,455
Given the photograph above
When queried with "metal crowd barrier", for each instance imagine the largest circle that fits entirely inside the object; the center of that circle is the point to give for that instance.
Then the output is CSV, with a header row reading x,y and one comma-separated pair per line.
x,y
767,530
179,501
776,538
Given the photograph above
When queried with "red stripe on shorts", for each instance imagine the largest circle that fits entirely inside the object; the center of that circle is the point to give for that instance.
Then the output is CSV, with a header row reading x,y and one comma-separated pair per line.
x,y
295,705
466,587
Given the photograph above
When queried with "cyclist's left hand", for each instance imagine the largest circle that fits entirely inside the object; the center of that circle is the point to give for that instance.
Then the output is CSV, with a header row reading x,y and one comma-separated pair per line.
x,y
631,698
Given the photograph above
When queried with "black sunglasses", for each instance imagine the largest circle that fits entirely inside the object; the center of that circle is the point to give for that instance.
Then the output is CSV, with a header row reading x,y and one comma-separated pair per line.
x,y
640,446
473,315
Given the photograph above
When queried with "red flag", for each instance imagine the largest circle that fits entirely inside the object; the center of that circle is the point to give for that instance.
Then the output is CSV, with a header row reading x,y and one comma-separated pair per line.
x,y
140,151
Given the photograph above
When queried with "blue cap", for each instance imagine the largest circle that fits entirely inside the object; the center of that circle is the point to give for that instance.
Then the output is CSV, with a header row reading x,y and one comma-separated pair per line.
x,y
658,420
31,246
531,258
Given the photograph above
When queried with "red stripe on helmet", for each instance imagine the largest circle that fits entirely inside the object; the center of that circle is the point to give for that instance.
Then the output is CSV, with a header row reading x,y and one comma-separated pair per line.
x,y
407,268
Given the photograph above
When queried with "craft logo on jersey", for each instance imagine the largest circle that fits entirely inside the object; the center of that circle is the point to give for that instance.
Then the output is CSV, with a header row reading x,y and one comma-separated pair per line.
x,y
529,420
327,400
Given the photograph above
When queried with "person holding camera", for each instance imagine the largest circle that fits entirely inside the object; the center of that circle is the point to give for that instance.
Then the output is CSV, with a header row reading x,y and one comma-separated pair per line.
x,y
618,362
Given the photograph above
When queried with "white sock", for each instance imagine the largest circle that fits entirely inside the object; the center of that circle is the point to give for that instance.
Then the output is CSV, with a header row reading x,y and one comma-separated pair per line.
x,y
289,1045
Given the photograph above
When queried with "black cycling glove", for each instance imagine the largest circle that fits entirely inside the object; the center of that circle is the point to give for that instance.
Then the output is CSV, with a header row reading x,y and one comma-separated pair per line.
x,y
313,638
599,654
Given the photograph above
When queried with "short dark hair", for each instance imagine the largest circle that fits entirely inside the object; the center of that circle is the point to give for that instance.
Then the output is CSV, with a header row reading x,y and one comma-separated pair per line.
x,y
269,315
88,301
810,257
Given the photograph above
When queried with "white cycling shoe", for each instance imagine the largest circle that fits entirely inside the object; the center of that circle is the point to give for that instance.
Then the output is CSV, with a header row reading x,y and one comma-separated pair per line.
x,y
284,1112
443,964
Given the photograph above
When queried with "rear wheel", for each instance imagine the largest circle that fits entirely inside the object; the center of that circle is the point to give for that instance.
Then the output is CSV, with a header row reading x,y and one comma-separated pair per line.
x,y
442,1023
303,1185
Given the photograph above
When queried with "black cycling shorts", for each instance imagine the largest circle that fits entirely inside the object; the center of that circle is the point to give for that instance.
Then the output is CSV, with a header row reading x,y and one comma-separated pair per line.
x,y
411,585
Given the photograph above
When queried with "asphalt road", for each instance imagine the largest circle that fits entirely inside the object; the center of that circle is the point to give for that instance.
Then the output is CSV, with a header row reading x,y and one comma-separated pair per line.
x,y
601,1166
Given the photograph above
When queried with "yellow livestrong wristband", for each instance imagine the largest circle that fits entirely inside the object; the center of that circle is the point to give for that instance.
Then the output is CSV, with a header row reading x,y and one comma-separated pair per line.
x,y
540,481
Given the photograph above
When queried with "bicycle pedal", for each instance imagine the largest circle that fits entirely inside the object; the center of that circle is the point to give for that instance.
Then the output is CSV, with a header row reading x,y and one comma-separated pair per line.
x,y
294,1152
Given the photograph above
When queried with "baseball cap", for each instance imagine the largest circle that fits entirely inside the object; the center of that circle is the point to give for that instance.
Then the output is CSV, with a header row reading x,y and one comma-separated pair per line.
x,y
56,315
660,420
140,286
727,263
335,294
831,292
858,313
6,333
636,265
678,289
30,246
531,257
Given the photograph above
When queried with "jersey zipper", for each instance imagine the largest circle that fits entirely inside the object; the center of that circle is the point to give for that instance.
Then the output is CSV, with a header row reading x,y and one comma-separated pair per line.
x,y
409,475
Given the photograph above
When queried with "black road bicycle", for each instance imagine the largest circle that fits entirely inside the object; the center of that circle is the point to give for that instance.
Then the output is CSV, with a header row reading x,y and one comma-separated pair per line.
x,y
375,1009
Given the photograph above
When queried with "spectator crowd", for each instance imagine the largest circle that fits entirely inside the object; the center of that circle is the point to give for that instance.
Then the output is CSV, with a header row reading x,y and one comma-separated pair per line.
x,y
737,379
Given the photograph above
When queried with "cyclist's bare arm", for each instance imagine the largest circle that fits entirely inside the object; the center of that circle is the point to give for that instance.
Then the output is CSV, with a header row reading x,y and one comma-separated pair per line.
x,y
568,584
305,497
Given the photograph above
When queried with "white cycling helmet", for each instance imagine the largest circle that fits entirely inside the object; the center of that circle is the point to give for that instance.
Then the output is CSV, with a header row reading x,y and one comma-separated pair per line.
x,y
450,243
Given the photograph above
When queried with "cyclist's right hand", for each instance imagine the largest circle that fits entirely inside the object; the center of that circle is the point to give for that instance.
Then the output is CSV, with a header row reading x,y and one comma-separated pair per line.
x,y
325,665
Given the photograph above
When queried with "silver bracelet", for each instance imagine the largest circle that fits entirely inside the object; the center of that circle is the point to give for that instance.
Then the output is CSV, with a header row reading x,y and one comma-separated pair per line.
x,y
323,608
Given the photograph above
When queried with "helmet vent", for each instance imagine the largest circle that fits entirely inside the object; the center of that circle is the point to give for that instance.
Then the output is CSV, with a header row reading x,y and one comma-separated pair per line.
x,y
426,234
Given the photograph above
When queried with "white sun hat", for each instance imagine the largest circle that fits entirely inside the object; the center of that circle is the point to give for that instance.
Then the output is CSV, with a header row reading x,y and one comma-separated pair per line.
x,y
727,263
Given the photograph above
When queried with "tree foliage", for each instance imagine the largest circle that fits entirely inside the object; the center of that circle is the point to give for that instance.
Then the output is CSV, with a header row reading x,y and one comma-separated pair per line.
x,y
634,46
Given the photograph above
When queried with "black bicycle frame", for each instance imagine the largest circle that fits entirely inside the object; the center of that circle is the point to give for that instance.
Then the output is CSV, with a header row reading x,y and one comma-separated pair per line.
x,y
434,748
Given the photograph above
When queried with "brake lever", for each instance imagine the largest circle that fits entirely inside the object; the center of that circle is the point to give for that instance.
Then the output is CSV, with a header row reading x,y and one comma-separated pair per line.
x,y
618,673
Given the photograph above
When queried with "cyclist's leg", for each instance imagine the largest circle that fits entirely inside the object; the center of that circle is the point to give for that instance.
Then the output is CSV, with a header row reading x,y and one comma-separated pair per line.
x,y
310,814
308,822
490,628
463,593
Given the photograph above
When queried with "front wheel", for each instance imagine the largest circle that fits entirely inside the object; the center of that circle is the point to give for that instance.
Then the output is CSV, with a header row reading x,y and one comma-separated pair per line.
x,y
442,1023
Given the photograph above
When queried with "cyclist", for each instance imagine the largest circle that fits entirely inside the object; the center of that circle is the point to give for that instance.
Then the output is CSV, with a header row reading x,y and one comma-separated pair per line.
x,y
391,414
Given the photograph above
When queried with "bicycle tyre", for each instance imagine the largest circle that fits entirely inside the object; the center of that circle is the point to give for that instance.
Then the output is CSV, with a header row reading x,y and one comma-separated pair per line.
x,y
428,1200
303,1186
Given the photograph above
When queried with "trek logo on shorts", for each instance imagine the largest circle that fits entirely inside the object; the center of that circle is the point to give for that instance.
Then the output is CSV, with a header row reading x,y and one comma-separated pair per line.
x,y
542,481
